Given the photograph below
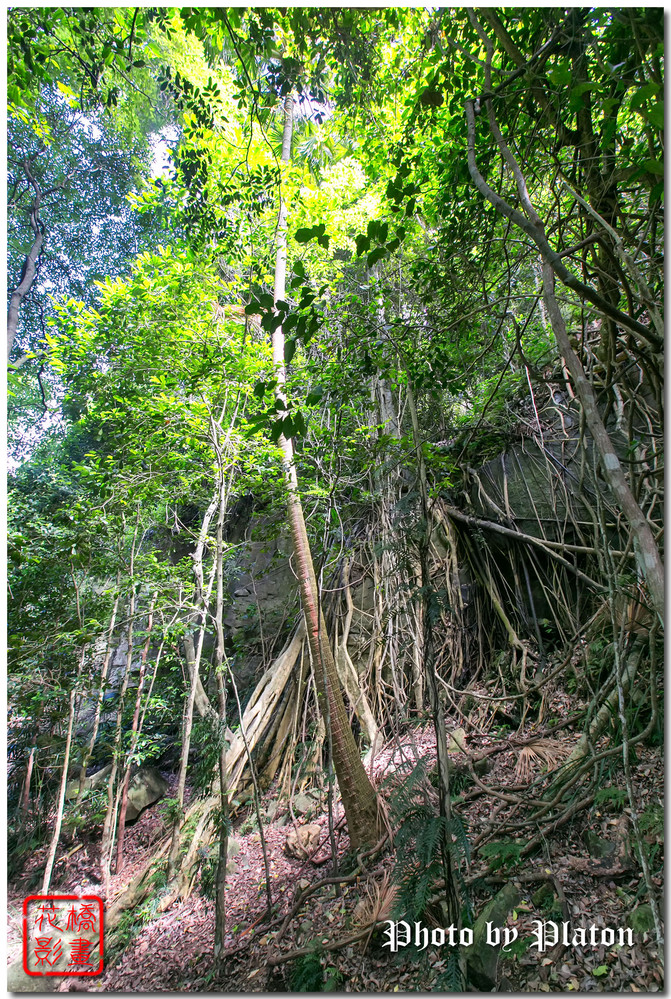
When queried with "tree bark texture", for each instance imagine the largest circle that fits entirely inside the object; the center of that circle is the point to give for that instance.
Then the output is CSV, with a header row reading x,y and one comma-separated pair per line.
x,y
358,795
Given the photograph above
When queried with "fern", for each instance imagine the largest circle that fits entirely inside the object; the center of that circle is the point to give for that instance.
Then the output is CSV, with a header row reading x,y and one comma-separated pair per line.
x,y
452,979
420,840
615,796
503,853
308,975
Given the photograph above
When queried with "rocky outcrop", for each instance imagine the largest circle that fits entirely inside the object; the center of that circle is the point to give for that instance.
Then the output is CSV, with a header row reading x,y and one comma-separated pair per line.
x,y
146,787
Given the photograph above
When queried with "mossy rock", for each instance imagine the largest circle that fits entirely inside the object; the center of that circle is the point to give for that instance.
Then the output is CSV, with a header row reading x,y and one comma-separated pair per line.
x,y
482,959
641,920
543,897
598,847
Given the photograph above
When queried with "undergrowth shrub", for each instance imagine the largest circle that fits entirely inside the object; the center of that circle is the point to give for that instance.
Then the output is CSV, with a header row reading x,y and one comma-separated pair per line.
x,y
309,975
502,854
421,836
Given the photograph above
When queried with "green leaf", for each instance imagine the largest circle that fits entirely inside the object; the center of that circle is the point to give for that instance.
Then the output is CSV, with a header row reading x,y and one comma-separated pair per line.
x,y
314,395
377,254
655,115
287,425
299,423
260,390
362,244
642,94
289,350
560,75
657,193
654,166
304,235
601,970
276,430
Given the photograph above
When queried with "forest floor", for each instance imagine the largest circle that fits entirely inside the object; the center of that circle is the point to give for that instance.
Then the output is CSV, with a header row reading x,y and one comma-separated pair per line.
x,y
173,951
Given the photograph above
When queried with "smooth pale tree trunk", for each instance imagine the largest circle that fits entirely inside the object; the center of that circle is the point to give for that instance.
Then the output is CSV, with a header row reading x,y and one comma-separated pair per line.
x,y
358,795
25,794
109,823
135,733
51,856
27,277
101,694
219,657
107,838
30,263
193,656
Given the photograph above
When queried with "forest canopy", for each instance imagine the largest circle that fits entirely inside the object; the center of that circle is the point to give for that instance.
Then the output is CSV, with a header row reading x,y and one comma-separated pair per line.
x,y
335,380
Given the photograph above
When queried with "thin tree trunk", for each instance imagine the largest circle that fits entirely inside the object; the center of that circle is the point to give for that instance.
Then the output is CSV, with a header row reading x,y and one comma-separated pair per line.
x,y
27,277
25,794
219,657
647,552
51,856
193,655
101,693
358,795
133,743
107,838
429,656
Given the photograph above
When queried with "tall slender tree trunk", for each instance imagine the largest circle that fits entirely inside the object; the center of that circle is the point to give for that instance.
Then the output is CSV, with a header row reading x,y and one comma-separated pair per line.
x,y
25,793
429,656
358,795
109,823
107,838
101,693
219,657
27,277
51,856
133,742
193,656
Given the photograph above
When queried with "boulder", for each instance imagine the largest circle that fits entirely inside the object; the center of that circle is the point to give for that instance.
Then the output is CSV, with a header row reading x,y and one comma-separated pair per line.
x,y
302,841
19,981
145,787
304,803
233,847
92,783
457,741
597,846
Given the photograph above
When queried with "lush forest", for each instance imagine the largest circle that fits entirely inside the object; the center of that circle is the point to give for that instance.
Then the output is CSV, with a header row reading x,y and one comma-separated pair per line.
x,y
335,494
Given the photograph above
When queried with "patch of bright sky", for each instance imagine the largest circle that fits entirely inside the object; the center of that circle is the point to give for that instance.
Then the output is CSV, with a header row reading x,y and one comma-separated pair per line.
x,y
161,145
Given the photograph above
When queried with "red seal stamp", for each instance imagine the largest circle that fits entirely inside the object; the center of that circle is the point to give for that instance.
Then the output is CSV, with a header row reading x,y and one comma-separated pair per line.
x,y
63,935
